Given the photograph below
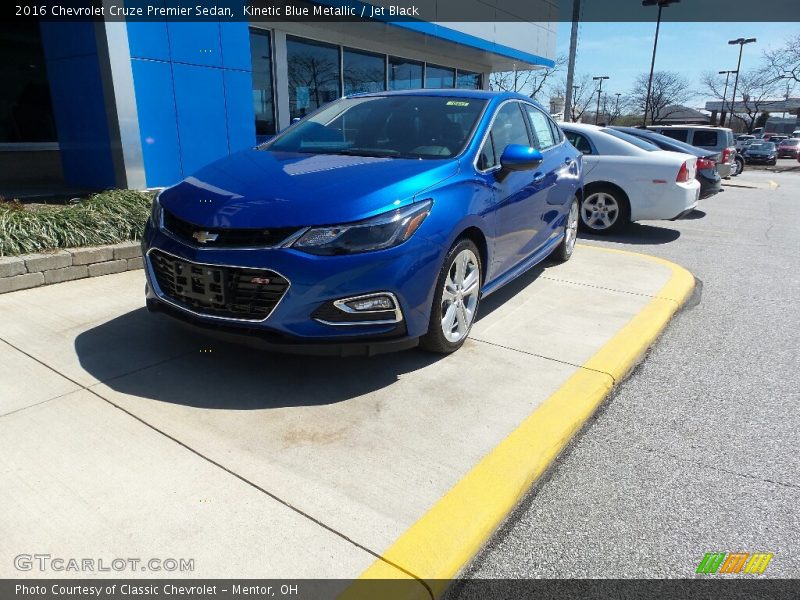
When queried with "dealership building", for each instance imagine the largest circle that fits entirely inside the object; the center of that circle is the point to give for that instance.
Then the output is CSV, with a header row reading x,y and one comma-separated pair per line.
x,y
144,104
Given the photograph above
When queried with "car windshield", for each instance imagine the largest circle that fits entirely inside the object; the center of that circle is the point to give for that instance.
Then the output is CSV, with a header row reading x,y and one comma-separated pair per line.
x,y
790,142
762,146
639,143
404,126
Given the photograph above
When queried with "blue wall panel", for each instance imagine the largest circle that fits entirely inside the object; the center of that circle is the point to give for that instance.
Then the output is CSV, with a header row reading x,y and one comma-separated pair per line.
x,y
195,43
193,94
239,101
202,122
79,107
235,38
157,122
148,39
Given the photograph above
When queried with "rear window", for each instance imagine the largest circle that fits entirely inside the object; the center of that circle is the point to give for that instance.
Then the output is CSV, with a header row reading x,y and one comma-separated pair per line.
x,y
676,134
638,142
705,138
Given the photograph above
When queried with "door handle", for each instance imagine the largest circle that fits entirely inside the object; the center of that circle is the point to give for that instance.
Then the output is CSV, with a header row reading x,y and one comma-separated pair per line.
x,y
538,177
568,161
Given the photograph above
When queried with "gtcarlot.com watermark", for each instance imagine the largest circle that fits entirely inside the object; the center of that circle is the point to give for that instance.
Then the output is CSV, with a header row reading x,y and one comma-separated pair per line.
x,y
47,563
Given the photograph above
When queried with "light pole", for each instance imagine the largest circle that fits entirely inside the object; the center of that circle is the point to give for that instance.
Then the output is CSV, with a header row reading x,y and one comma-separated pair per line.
x,y
788,79
599,91
616,108
569,100
725,94
661,4
741,42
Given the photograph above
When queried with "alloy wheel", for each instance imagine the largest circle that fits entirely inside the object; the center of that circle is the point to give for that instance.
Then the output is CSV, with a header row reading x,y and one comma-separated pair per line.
x,y
460,295
571,233
600,211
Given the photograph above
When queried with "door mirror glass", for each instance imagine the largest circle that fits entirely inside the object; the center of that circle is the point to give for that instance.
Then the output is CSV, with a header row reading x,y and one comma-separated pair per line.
x,y
517,157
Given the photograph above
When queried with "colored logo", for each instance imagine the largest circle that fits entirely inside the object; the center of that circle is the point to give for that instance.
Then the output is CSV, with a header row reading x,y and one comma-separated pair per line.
x,y
734,562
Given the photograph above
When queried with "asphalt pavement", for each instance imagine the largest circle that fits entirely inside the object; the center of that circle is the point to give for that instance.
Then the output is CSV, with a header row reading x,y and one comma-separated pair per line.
x,y
699,450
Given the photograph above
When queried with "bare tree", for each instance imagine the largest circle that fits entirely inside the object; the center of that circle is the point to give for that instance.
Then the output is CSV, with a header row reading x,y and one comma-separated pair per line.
x,y
584,91
668,91
531,82
784,63
757,90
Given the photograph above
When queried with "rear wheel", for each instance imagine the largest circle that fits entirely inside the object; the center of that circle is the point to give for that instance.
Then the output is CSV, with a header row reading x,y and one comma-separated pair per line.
x,y
604,210
564,251
455,303
738,166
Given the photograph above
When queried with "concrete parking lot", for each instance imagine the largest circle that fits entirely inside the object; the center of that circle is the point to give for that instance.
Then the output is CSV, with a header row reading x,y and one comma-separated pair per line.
x,y
122,434
698,450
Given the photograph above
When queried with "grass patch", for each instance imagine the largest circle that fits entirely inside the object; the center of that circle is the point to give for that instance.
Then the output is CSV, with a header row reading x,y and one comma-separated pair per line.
x,y
105,218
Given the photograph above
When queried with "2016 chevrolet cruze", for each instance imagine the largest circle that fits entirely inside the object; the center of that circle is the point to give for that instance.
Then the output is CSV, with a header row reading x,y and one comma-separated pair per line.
x,y
374,224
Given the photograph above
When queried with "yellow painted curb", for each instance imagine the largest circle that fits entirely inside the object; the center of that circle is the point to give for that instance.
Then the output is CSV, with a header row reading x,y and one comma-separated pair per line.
x,y
438,546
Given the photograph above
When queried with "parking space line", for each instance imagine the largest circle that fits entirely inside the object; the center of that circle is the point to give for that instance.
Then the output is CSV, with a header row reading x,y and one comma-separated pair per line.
x,y
441,543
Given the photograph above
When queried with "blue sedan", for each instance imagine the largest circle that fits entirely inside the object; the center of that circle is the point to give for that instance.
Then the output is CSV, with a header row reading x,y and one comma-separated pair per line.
x,y
376,223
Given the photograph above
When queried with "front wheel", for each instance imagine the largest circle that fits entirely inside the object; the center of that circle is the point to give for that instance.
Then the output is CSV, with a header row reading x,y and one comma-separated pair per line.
x,y
564,251
455,302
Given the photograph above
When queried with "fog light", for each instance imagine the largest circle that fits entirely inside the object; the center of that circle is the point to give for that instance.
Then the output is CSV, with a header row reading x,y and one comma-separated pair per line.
x,y
371,303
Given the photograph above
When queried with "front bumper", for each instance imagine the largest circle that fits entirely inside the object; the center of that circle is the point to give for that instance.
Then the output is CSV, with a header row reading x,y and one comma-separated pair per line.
x,y
759,159
407,271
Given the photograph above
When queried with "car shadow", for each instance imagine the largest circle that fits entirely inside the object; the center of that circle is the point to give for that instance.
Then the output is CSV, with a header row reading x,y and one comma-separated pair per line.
x,y
202,372
511,289
694,215
638,234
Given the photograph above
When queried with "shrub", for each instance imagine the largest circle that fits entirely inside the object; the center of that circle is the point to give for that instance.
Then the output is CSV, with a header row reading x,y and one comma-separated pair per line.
x,y
105,218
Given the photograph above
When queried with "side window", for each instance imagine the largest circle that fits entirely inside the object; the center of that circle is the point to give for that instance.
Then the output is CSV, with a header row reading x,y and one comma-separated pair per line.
x,y
705,138
508,128
540,124
558,135
581,144
486,156
676,134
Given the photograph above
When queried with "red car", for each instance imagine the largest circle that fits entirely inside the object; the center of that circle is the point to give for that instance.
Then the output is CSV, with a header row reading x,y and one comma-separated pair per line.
x,y
789,148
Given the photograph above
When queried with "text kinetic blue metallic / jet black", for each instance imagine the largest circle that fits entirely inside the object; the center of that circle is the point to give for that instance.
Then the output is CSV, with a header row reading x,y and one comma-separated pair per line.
x,y
374,224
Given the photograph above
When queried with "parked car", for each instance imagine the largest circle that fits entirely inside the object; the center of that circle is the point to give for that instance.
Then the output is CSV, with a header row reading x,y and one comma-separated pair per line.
x,y
789,148
373,224
627,179
796,133
707,175
719,139
762,152
741,141
776,138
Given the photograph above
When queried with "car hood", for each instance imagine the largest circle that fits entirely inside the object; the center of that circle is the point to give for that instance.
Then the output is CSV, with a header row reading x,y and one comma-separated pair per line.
x,y
260,188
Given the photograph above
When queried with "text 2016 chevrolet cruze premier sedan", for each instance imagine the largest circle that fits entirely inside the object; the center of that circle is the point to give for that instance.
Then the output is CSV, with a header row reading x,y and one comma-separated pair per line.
x,y
374,224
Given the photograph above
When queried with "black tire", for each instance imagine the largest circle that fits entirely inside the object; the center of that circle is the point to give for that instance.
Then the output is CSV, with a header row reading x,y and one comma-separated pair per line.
x,y
567,246
620,218
435,340
740,166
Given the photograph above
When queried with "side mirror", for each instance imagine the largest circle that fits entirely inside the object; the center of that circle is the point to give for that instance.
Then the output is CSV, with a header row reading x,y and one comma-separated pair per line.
x,y
517,157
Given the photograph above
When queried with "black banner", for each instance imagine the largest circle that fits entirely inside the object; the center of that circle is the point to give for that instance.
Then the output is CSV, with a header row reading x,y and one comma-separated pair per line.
x,y
735,587
422,11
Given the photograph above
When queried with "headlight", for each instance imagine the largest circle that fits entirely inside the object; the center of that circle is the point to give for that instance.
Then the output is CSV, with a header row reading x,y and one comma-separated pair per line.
x,y
384,231
156,212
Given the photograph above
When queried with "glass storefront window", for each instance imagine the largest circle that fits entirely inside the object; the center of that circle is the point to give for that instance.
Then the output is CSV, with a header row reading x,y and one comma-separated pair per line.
x,y
263,96
468,81
404,74
26,112
363,72
439,77
313,75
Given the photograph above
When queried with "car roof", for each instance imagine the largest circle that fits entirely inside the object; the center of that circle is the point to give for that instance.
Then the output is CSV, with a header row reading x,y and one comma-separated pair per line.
x,y
688,127
450,93
657,138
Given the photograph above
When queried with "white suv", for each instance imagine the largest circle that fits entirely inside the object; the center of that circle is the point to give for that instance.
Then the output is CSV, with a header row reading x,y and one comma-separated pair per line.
x,y
719,139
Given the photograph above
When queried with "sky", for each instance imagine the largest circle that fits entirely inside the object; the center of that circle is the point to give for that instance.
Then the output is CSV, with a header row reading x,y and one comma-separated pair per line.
x,y
624,50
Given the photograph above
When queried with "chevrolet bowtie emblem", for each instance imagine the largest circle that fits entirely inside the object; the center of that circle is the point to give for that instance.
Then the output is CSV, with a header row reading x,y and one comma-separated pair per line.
x,y
205,236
